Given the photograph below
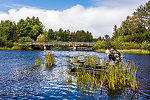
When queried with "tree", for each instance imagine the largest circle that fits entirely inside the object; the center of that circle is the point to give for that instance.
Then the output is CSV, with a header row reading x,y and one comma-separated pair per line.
x,y
135,28
41,38
29,27
50,35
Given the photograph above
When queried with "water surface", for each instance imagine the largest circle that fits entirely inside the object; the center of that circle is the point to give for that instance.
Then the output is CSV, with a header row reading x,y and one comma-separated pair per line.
x,y
19,79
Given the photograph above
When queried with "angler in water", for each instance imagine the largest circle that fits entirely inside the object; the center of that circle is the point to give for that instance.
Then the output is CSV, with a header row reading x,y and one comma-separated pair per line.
x,y
114,55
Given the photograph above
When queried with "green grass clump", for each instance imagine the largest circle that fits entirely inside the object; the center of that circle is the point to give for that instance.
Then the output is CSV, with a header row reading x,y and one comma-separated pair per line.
x,y
37,62
49,60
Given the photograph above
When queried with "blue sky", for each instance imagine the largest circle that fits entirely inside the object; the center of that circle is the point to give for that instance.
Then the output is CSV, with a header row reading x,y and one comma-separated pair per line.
x,y
97,16
43,4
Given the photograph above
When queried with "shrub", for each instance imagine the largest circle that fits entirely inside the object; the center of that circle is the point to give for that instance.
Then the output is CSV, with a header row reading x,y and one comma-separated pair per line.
x,y
40,38
16,48
25,39
146,45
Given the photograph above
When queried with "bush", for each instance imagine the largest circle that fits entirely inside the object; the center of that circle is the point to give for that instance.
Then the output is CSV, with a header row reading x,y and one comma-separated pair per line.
x,y
103,44
25,39
146,45
16,48
99,44
5,42
40,38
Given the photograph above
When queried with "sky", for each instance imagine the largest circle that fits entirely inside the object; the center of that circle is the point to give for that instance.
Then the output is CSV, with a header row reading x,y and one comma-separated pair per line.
x,y
96,16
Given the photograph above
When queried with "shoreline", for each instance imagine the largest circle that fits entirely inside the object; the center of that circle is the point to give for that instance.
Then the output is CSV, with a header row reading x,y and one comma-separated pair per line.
x,y
130,51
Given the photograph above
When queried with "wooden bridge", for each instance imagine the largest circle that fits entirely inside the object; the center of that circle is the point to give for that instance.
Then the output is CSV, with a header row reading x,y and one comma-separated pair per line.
x,y
67,44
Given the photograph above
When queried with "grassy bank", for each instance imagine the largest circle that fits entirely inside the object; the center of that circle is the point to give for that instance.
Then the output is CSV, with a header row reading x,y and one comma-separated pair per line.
x,y
132,51
5,48
16,48
135,51
100,50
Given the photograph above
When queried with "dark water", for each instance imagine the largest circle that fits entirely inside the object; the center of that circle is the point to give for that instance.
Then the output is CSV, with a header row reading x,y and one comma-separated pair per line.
x,y
20,80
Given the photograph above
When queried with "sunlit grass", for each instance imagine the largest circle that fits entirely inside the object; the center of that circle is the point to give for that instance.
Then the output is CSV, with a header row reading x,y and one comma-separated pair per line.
x,y
132,51
5,48
100,50
15,48
135,51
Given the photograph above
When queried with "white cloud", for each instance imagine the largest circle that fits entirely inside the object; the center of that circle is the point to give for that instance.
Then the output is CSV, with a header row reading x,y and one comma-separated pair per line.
x,y
98,20
114,3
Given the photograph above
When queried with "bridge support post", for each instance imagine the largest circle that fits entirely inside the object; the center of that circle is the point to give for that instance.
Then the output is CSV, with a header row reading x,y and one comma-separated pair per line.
x,y
44,48
74,48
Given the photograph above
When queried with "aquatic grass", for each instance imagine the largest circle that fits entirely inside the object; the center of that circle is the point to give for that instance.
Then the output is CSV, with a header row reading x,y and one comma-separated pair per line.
x,y
37,62
114,77
68,61
49,60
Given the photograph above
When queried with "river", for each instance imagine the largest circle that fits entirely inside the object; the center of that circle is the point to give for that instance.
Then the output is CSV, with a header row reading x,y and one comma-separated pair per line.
x,y
19,79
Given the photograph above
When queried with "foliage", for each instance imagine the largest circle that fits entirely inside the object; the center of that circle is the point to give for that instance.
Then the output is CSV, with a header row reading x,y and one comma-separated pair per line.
x,y
135,28
25,39
146,45
134,33
16,48
31,27
40,38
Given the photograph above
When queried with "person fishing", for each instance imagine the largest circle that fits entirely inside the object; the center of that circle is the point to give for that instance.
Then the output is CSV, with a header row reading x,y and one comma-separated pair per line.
x,y
114,55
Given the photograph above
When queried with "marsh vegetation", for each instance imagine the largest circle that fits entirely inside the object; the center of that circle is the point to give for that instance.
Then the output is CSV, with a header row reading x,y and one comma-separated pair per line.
x,y
114,77
48,61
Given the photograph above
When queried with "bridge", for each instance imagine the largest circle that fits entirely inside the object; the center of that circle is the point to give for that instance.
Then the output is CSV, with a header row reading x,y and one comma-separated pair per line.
x,y
63,44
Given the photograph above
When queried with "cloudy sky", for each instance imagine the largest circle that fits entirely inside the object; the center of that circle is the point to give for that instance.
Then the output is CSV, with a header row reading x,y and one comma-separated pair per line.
x,y
96,16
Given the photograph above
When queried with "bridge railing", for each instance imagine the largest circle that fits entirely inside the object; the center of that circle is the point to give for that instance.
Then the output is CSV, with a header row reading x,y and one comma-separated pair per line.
x,y
61,43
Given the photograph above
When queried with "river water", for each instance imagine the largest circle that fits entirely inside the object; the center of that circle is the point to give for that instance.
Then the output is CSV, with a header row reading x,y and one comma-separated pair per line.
x,y
19,79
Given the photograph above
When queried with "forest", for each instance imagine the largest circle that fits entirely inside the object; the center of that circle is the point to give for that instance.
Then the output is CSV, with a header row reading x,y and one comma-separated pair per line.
x,y
32,30
134,32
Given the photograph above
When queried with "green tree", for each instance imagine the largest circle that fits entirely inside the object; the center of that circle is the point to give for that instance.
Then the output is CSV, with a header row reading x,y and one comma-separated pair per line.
x,y
41,38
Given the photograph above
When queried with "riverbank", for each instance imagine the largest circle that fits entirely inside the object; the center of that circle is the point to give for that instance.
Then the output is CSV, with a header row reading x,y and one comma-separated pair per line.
x,y
16,48
131,51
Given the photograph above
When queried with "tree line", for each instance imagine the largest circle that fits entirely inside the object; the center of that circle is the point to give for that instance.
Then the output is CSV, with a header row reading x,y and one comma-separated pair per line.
x,y
32,30
135,28
134,32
